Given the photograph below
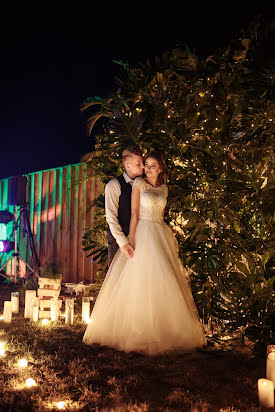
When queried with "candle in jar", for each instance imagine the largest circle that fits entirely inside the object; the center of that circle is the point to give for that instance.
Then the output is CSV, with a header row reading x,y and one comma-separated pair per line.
x,y
15,302
69,311
85,309
7,311
69,316
34,309
270,367
55,309
29,295
266,393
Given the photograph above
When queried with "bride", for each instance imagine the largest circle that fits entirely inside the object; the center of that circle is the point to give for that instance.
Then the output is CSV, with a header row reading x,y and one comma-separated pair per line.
x,y
145,303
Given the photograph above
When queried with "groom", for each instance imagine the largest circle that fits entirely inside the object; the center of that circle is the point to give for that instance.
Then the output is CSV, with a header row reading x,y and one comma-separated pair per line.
x,y
118,202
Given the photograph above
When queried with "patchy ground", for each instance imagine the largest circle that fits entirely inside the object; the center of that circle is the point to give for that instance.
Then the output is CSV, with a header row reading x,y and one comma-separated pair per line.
x,y
95,378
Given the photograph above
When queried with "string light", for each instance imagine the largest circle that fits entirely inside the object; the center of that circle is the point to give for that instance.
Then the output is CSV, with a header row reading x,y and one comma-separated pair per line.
x,y
30,382
61,405
22,363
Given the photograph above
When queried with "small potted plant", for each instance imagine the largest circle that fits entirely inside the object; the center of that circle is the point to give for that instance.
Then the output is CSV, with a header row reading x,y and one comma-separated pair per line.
x,y
51,276
52,270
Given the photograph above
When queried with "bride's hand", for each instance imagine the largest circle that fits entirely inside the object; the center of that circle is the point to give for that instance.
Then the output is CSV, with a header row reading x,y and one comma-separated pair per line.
x,y
128,250
132,243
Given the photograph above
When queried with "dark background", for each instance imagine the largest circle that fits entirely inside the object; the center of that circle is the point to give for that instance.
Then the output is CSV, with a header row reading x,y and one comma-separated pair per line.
x,y
51,59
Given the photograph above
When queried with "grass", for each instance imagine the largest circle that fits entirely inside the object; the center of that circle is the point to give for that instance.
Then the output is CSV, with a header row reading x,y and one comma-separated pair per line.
x,y
94,378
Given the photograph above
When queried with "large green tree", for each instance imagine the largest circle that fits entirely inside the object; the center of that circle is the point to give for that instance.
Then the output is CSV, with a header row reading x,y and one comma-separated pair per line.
x,y
214,121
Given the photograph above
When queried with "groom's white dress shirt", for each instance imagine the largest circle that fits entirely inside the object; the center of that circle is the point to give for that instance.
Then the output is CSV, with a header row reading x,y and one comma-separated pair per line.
x,y
112,194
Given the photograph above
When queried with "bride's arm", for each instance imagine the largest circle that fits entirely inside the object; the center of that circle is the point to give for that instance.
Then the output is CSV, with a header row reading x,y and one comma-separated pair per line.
x,y
135,200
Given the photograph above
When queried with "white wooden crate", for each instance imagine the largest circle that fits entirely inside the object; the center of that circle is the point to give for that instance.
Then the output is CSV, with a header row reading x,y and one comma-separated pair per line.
x,y
50,293
47,283
48,288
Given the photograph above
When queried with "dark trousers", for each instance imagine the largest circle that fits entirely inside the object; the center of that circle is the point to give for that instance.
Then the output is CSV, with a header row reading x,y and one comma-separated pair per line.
x,y
112,244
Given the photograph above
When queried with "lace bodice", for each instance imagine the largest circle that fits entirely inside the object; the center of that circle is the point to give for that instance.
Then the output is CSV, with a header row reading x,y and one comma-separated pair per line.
x,y
152,200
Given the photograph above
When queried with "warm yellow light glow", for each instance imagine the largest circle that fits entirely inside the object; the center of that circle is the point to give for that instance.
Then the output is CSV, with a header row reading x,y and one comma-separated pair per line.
x,y
2,352
60,405
1,317
22,363
2,345
45,321
30,382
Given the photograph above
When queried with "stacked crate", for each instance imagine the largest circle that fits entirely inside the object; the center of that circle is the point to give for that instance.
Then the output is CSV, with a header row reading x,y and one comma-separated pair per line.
x,y
48,289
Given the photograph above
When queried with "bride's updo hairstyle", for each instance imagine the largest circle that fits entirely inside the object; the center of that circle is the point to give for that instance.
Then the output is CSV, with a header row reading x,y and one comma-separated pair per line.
x,y
160,159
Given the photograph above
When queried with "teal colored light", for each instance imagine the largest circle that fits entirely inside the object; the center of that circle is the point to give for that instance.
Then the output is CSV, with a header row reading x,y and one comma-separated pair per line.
x,y
3,231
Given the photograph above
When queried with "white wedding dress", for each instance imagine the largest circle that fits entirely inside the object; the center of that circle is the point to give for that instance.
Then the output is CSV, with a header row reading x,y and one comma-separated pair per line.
x,y
145,303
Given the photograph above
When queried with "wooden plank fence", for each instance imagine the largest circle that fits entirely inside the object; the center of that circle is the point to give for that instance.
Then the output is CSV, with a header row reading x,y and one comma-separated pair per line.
x,y
59,204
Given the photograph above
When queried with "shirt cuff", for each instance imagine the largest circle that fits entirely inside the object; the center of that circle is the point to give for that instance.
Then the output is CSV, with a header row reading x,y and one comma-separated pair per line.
x,y
122,240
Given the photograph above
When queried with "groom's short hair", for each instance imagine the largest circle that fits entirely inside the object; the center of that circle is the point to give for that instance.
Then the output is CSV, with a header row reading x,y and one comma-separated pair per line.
x,y
130,151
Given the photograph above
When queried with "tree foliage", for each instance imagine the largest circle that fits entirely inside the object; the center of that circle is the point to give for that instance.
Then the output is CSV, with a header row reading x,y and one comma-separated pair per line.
x,y
214,121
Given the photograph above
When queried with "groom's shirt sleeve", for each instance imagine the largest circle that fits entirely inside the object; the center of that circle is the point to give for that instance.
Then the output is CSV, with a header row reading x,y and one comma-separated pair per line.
x,y
112,194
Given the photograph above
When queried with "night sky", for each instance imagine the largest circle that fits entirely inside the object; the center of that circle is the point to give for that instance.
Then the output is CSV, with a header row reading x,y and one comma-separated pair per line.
x,y
52,59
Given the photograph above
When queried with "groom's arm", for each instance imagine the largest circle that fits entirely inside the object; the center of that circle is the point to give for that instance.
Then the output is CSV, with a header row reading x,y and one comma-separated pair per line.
x,y
112,194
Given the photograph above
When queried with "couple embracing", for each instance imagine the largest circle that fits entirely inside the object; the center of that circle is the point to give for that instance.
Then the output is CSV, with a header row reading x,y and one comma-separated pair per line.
x,y
145,303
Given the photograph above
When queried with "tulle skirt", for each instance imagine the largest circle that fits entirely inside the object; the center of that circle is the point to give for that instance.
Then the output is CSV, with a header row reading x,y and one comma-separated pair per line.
x,y
145,303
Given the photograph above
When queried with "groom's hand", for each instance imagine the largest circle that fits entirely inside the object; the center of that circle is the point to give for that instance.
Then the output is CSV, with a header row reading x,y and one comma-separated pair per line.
x,y
128,250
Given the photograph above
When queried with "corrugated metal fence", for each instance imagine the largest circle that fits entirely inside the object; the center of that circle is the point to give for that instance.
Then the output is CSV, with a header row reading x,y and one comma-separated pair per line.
x,y
59,204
